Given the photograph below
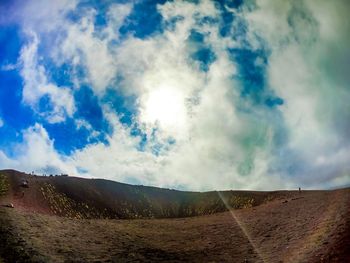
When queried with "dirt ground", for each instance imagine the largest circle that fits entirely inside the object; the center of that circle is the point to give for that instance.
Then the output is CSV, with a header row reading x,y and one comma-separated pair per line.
x,y
312,226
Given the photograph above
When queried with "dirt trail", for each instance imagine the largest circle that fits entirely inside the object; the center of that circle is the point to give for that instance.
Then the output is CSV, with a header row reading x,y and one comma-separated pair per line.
x,y
312,226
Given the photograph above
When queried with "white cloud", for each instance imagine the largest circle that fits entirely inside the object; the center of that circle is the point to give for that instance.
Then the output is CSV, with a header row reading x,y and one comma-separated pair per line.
x,y
36,85
208,152
47,18
9,67
1,122
37,153
84,45
116,15
299,36
119,160
222,140
6,162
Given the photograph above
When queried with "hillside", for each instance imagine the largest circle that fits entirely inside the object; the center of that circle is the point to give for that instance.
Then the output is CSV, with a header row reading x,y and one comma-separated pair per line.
x,y
96,198
286,226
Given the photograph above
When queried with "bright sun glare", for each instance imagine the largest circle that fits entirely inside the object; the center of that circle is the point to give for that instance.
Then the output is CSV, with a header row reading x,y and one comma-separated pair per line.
x,y
166,107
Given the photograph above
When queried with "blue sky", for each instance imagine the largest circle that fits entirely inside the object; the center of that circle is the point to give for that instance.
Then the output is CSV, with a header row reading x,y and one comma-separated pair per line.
x,y
184,94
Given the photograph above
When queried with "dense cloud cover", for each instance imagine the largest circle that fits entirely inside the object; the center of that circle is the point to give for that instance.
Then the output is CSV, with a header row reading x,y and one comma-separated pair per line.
x,y
184,94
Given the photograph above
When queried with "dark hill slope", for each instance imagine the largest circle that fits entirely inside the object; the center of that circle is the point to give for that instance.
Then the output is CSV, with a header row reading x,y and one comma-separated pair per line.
x,y
96,198
313,226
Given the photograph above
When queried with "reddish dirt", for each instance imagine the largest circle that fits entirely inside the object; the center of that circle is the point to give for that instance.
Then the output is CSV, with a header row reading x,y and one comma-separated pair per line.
x,y
25,199
311,226
89,198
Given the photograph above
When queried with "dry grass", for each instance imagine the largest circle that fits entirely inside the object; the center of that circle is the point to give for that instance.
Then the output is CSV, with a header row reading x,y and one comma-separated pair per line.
x,y
307,227
65,220
4,184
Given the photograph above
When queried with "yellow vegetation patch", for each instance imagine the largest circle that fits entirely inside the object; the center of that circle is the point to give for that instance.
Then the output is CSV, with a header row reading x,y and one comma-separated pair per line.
x,y
4,184
62,205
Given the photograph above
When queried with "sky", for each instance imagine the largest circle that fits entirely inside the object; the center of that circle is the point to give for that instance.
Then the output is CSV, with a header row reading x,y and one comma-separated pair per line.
x,y
191,95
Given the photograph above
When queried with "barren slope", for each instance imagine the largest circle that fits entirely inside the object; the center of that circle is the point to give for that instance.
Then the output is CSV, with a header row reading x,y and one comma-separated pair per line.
x,y
312,226
96,198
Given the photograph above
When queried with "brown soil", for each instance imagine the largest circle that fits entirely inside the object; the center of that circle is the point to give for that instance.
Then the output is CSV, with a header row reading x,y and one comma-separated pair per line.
x,y
94,198
311,226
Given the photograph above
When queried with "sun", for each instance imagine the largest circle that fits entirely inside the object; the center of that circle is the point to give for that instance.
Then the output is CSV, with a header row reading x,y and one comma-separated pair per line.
x,y
166,107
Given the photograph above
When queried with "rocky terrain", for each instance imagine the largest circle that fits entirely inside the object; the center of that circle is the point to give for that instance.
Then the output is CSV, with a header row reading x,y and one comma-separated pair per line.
x,y
65,219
